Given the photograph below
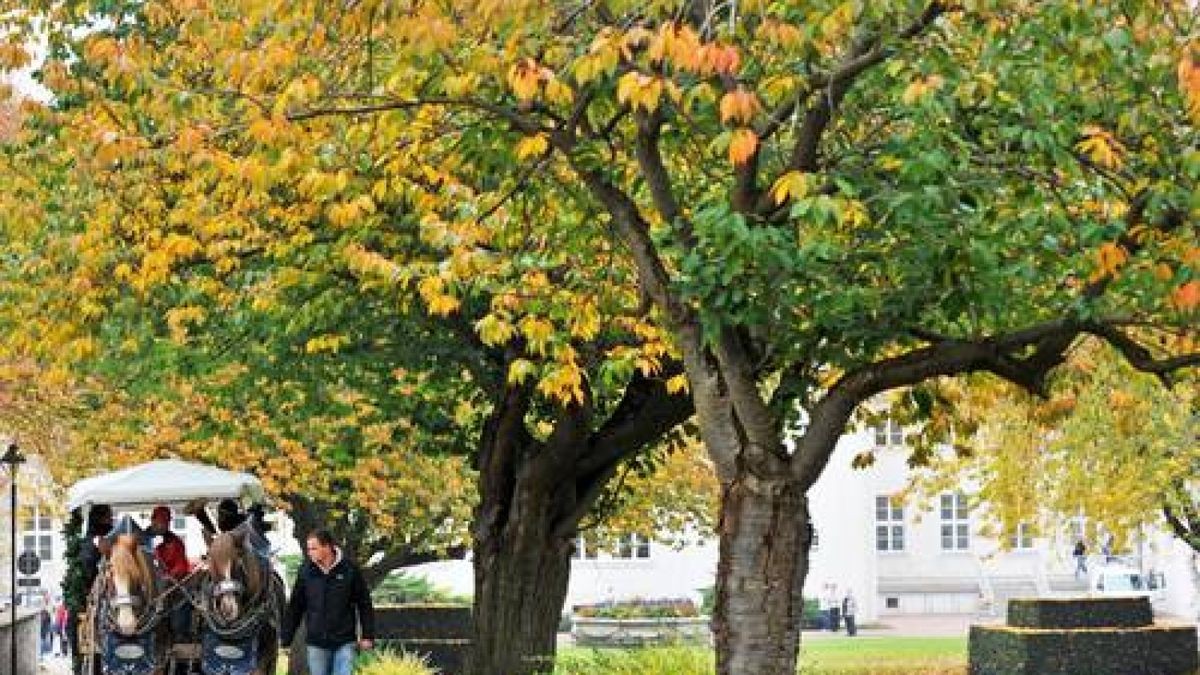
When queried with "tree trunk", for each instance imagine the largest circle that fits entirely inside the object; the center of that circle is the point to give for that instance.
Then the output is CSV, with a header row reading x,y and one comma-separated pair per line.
x,y
522,546
520,587
764,543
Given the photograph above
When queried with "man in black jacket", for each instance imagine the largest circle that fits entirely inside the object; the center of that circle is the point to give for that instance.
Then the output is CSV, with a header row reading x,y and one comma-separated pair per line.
x,y
330,591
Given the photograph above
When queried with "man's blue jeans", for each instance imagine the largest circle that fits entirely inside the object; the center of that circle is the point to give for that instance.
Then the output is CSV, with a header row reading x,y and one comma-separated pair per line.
x,y
338,661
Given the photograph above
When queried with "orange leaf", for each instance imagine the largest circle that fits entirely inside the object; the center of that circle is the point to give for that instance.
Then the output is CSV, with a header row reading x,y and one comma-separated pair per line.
x,y
1187,296
742,146
739,106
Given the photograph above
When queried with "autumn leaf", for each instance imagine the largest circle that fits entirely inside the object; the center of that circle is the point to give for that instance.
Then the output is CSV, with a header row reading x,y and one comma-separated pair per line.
x,y
739,106
1187,296
791,185
532,146
742,146
1101,147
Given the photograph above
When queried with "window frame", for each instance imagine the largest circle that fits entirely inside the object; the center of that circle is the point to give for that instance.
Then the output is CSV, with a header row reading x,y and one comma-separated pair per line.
x,y
889,526
954,522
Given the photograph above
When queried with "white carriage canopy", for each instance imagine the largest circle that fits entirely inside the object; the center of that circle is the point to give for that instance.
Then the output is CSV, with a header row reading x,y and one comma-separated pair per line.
x,y
164,481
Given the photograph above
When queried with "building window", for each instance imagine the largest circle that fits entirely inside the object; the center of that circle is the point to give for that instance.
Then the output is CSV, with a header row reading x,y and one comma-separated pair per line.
x,y
892,603
1022,538
633,546
956,524
889,434
179,523
889,523
38,536
582,550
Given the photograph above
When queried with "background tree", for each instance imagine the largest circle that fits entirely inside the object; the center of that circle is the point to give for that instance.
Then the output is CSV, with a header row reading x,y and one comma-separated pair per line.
x,y
1109,444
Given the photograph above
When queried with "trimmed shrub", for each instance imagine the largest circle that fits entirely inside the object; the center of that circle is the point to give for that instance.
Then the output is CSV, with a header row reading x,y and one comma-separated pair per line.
x,y
1149,650
438,633
419,622
1080,613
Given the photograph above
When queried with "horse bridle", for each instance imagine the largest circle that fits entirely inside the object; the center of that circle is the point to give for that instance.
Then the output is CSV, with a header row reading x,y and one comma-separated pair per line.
x,y
228,587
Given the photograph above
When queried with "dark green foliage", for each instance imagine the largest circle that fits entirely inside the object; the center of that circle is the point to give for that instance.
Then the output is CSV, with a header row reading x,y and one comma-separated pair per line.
x,y
74,593
1152,650
412,622
1080,613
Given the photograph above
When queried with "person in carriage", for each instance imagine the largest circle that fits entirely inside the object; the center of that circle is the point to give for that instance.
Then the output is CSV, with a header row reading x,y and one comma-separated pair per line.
x,y
171,555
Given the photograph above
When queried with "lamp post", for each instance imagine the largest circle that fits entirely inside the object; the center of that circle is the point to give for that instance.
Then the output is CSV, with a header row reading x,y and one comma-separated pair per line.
x,y
12,458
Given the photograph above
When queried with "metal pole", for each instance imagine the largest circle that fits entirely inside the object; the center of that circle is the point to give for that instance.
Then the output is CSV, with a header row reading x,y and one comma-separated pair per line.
x,y
12,628
12,457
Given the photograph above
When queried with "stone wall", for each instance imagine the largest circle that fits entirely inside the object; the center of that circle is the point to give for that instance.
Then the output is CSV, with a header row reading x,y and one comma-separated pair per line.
x,y
28,635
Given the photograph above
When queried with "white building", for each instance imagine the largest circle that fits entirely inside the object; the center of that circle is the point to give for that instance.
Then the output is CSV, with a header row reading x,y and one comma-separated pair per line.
x,y
898,557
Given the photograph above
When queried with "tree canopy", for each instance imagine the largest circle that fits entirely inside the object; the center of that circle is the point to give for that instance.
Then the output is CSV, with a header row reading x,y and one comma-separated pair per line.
x,y
807,204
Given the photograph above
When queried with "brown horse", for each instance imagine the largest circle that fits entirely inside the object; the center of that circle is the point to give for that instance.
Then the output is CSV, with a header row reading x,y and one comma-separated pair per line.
x,y
130,620
242,605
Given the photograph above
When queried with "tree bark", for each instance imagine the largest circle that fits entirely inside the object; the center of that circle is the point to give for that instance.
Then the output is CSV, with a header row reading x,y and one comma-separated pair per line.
x,y
533,495
522,552
520,586
764,544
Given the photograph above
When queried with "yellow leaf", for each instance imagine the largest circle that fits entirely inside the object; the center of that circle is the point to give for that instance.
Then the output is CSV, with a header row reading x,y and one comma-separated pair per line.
x,y
519,371
494,330
524,79
919,88
559,92
677,384
537,332
791,185
639,91
532,146
1101,147
742,145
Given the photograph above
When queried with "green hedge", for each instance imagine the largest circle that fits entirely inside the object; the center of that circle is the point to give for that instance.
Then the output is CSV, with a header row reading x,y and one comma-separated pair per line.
x,y
419,622
438,633
1080,613
1153,650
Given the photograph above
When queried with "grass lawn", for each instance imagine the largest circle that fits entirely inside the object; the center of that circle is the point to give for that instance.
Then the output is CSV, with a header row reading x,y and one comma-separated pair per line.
x,y
941,655
825,656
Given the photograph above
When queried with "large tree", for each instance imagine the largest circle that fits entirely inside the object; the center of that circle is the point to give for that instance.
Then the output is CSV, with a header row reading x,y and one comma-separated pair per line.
x,y
819,203
275,298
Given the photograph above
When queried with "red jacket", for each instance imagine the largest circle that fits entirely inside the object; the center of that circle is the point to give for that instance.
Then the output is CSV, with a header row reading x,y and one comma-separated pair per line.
x,y
172,556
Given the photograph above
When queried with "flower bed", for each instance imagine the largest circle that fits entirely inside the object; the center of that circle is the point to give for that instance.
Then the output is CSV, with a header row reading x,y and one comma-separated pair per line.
x,y
640,623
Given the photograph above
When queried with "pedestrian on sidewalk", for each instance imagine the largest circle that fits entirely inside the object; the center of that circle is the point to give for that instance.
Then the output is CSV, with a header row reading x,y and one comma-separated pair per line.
x,y
835,608
61,615
332,599
1080,554
849,611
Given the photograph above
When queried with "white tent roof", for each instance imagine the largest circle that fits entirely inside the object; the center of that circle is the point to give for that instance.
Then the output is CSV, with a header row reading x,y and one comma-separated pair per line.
x,y
164,481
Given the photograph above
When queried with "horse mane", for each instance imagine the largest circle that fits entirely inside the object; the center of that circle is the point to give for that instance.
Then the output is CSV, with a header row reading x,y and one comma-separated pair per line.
x,y
130,562
228,547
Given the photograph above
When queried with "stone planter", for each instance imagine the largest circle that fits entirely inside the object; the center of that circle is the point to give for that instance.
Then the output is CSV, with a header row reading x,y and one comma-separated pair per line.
x,y
598,632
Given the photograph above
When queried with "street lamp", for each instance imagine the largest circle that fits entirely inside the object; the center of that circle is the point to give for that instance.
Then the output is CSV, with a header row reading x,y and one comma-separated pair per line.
x,y
12,458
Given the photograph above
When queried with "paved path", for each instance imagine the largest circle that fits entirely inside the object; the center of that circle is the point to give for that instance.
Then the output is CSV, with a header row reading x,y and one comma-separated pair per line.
x,y
55,665
925,625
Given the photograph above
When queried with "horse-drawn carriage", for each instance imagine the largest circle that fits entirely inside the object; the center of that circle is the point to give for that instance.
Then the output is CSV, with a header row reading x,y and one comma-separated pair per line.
x,y
221,617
